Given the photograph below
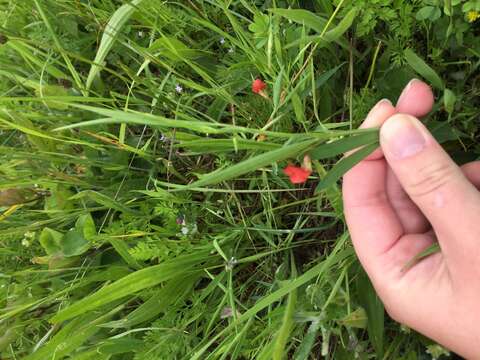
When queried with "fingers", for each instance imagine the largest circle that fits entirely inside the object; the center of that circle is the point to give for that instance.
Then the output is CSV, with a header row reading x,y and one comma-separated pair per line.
x,y
432,180
412,219
375,119
373,224
472,173
416,99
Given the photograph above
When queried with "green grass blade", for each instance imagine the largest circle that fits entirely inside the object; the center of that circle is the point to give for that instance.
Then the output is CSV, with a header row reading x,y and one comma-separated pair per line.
x,y
172,292
130,284
335,256
344,165
375,312
422,68
71,336
341,146
279,347
104,200
112,30
215,145
253,164
122,249
67,60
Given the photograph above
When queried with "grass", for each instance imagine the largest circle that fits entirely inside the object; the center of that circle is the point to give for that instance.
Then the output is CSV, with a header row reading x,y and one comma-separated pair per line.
x,y
143,209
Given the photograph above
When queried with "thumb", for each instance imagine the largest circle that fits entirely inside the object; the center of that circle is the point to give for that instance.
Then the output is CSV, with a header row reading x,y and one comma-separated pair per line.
x,y
432,180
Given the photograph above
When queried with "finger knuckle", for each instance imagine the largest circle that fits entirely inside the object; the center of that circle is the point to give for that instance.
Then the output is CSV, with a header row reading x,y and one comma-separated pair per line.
x,y
430,179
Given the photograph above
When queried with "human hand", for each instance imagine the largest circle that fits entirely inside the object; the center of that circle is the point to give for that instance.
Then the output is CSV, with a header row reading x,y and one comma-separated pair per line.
x,y
399,201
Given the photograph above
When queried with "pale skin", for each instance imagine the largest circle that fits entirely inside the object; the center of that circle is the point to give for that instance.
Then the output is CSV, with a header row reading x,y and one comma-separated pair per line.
x,y
405,196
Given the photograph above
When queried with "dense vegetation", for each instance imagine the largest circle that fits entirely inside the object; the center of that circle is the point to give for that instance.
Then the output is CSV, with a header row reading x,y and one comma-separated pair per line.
x,y
144,213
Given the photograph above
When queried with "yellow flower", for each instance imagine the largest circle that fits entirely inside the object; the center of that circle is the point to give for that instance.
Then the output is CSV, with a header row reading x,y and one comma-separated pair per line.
x,y
473,16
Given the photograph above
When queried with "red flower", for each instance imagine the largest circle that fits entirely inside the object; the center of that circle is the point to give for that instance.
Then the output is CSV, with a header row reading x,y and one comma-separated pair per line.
x,y
297,174
258,86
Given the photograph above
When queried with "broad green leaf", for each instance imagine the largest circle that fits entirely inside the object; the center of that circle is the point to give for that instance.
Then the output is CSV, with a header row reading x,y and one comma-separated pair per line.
x,y
51,241
344,165
431,13
130,284
303,17
342,27
449,100
86,226
110,35
74,243
253,164
423,69
343,145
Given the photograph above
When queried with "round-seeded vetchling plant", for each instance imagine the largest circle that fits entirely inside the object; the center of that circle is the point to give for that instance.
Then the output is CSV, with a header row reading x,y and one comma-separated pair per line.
x,y
169,171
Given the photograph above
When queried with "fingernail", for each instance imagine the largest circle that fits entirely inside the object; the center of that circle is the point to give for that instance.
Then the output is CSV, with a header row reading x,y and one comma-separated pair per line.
x,y
407,89
369,121
402,136
383,102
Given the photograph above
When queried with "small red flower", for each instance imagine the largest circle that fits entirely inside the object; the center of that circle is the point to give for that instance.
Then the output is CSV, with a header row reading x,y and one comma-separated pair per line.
x,y
258,86
297,174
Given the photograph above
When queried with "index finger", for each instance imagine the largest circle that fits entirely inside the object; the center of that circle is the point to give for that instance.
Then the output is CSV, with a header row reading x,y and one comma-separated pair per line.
x,y
373,224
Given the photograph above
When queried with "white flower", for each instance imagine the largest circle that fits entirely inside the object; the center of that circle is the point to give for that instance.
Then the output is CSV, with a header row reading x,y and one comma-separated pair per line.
x,y
29,235
140,34
185,230
230,264
222,40
179,88
25,243
230,50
